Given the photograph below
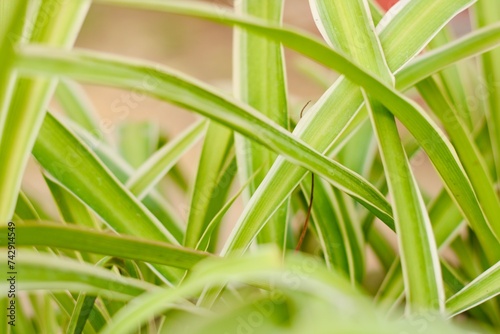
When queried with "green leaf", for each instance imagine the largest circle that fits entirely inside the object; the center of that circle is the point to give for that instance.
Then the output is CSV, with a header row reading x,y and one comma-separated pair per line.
x,y
453,80
339,237
341,23
77,106
25,115
327,224
469,154
158,206
25,209
81,312
37,271
382,247
70,208
483,288
488,12
73,165
209,231
69,161
66,303
263,266
210,189
186,92
155,168
422,27
137,141
486,312
121,246
358,149
259,77
327,299
11,25
472,44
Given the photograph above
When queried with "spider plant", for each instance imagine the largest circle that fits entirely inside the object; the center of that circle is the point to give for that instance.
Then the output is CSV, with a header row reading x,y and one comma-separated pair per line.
x,y
338,232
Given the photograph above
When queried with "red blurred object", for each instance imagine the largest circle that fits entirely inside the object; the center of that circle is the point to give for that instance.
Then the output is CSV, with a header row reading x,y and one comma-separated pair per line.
x,y
386,4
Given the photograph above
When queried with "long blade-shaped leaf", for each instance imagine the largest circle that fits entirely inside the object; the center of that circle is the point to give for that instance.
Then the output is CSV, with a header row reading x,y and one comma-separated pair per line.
x,y
70,161
25,209
342,22
453,79
473,162
70,208
11,26
483,288
328,226
137,141
36,271
25,115
85,240
163,160
472,44
77,106
211,186
208,233
260,82
324,292
81,312
488,12
123,171
187,92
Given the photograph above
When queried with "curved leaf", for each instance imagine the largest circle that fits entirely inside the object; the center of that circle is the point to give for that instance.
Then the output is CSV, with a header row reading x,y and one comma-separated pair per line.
x,y
38,271
470,45
121,246
178,89
483,288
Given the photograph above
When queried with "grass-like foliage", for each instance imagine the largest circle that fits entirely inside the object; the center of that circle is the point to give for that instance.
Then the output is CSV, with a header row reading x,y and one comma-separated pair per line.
x,y
379,253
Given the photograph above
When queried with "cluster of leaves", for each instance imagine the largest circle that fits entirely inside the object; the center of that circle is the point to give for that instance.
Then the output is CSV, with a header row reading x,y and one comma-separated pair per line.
x,y
120,260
